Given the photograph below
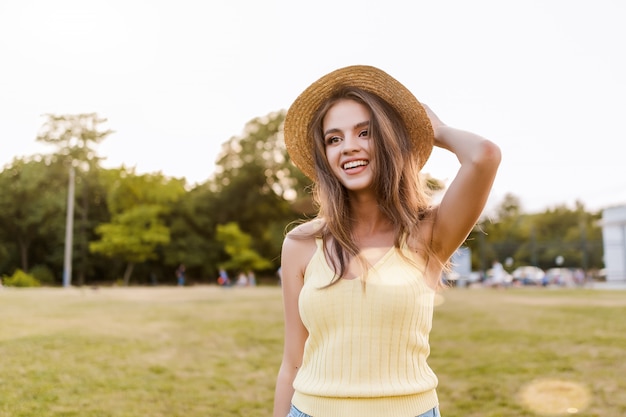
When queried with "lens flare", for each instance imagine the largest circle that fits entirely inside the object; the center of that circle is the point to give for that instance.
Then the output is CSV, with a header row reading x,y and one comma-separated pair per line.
x,y
555,397
439,300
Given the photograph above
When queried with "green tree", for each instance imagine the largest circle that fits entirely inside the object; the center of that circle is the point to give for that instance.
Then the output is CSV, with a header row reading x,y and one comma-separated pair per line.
x,y
496,235
562,232
255,184
237,245
137,204
539,238
75,137
31,212
193,242
261,151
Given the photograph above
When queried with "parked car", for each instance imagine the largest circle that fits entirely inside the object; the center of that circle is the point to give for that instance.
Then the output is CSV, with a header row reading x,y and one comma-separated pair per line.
x,y
505,279
565,277
529,275
559,276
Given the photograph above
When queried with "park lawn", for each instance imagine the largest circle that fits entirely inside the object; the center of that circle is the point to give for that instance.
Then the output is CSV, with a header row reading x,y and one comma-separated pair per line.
x,y
528,352
214,352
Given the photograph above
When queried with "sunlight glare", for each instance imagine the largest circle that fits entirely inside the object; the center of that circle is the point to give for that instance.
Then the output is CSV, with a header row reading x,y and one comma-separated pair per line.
x,y
439,300
555,397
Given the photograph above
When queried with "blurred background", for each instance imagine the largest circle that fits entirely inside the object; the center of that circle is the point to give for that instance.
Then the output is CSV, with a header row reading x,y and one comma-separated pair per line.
x,y
163,121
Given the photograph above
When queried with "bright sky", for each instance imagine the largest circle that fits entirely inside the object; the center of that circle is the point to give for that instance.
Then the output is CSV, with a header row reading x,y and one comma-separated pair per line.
x,y
543,79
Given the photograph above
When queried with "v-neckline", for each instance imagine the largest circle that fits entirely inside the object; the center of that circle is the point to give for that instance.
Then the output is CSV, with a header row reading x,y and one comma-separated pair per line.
x,y
371,267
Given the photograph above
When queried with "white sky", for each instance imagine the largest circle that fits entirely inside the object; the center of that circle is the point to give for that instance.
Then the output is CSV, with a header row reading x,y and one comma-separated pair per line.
x,y
544,79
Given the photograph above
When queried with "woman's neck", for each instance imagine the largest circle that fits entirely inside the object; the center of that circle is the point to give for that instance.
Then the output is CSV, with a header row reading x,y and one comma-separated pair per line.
x,y
368,219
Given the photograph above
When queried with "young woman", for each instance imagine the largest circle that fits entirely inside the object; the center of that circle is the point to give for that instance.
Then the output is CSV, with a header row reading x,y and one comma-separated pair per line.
x,y
359,280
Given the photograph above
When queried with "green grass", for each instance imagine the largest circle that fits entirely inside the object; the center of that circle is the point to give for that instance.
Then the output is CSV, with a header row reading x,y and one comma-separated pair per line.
x,y
214,352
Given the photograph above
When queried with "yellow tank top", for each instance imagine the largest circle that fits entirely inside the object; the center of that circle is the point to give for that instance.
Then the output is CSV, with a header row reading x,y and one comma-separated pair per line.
x,y
367,347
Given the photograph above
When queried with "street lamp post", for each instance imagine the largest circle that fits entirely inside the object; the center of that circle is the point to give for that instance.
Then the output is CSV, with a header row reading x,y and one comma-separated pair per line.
x,y
69,231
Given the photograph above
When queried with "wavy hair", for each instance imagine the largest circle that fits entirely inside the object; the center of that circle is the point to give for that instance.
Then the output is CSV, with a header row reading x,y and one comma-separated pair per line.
x,y
399,188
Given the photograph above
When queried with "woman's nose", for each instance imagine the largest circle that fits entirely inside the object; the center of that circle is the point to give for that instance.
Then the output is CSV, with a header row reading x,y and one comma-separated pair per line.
x,y
351,144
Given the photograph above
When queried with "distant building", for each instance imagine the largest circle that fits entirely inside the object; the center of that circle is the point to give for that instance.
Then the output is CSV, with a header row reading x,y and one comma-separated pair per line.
x,y
461,267
614,242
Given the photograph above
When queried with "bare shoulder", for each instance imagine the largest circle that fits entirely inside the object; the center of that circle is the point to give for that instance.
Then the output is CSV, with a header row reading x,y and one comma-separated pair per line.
x,y
299,246
303,235
308,229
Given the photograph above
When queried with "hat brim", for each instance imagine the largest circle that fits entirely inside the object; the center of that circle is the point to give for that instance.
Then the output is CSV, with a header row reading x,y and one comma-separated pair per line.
x,y
296,127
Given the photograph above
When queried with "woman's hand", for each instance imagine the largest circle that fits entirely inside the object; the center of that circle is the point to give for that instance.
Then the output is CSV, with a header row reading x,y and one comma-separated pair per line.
x,y
437,124
466,196
435,121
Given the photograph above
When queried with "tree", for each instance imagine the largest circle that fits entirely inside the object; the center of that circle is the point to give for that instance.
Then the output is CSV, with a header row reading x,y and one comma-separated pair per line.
x,y
510,208
261,151
563,232
255,184
31,211
237,246
75,137
193,222
539,238
494,236
137,204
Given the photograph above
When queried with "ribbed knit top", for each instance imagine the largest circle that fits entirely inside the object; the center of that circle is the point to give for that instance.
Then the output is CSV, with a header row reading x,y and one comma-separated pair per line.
x,y
367,346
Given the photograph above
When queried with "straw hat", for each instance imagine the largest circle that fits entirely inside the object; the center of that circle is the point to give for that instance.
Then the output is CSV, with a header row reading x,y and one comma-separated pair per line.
x,y
371,79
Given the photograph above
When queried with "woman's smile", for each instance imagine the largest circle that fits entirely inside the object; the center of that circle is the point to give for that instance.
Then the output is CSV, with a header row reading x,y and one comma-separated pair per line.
x,y
347,139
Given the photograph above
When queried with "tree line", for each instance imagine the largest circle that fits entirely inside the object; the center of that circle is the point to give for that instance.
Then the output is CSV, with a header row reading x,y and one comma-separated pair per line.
x,y
132,228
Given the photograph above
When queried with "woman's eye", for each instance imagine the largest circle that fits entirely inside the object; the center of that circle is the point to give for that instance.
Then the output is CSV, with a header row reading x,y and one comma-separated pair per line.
x,y
364,133
332,140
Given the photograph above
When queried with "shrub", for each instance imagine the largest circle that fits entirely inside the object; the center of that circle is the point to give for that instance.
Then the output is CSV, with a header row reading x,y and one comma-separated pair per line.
x,y
21,279
43,274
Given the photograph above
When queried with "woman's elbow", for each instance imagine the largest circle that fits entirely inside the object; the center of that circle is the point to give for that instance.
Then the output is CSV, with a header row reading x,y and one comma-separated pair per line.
x,y
489,156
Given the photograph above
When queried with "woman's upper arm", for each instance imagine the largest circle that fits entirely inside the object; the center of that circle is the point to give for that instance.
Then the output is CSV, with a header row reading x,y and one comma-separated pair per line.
x,y
296,254
465,198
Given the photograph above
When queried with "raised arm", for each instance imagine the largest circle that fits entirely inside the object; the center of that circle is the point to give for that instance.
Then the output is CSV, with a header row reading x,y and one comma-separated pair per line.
x,y
465,198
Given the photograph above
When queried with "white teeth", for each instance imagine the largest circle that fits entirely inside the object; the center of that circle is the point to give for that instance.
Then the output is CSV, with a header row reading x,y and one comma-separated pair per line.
x,y
354,164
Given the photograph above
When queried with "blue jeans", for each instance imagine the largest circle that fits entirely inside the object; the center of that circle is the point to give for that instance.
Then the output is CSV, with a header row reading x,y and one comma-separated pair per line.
x,y
294,412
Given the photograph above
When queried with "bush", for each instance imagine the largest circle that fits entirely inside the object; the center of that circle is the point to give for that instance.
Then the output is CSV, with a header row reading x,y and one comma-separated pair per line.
x,y
43,274
21,279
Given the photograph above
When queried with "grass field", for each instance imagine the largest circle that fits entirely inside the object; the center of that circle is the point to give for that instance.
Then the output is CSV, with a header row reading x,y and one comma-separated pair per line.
x,y
214,352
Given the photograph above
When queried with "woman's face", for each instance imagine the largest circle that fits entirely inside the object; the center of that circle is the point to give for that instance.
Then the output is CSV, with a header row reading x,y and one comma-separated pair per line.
x,y
347,141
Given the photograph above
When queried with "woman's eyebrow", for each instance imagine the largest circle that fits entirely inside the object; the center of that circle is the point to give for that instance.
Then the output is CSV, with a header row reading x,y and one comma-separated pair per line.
x,y
362,124
332,130
356,126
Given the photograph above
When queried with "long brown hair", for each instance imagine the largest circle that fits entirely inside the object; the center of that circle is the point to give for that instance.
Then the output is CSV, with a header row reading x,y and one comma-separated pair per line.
x,y
398,185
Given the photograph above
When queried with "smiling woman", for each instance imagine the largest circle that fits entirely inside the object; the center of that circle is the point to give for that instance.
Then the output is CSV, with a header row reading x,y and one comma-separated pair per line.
x,y
346,131
363,137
